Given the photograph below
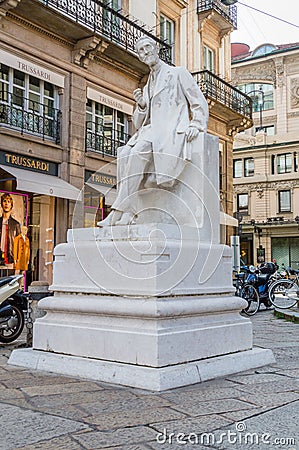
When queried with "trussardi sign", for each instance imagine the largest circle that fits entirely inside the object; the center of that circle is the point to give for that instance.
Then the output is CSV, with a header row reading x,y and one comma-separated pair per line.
x,y
31,68
26,162
100,178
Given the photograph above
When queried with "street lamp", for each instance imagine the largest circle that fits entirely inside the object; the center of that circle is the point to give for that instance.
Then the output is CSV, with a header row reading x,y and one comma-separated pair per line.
x,y
228,2
260,101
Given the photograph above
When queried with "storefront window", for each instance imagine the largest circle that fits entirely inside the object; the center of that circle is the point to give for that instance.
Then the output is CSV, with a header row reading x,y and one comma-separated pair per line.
x,y
36,212
94,207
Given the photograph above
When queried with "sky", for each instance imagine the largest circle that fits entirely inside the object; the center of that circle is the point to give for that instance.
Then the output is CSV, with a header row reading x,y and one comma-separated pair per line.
x,y
255,28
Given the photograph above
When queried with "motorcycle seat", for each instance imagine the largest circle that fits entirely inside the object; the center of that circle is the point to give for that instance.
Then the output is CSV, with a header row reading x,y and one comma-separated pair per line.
x,y
6,280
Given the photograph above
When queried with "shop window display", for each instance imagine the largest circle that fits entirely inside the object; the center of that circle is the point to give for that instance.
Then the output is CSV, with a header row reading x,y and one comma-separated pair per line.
x,y
27,236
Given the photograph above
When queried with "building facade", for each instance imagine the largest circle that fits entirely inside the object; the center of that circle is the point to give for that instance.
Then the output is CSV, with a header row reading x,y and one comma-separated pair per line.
x,y
68,70
266,178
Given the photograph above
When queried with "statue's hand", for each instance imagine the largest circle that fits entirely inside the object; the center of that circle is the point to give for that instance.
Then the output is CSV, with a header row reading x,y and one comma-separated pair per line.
x,y
191,133
138,96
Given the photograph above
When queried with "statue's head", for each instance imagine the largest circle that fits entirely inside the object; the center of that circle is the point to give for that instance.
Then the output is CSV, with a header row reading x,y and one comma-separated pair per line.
x,y
148,51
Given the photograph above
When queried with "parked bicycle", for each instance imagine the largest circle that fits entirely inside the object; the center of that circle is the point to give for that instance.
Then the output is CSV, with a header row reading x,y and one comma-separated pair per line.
x,y
284,293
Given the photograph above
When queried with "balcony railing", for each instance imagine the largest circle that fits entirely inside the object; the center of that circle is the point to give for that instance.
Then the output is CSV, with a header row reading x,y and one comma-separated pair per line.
x,y
107,22
104,141
221,91
30,117
228,12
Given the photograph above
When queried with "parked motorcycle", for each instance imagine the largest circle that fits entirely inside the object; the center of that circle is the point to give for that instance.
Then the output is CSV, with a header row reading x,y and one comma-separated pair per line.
x,y
253,285
13,304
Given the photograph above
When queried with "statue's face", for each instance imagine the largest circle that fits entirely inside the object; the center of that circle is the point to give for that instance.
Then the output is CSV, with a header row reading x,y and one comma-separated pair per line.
x,y
147,52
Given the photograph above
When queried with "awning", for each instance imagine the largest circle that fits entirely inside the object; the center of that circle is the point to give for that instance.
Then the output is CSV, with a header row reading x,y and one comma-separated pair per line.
x,y
226,219
108,192
40,183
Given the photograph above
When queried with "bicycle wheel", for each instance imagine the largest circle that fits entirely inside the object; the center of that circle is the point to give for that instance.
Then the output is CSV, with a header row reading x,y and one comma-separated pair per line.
x,y
284,294
250,294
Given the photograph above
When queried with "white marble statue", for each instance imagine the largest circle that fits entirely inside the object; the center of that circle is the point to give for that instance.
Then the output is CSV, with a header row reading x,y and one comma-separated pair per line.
x,y
170,113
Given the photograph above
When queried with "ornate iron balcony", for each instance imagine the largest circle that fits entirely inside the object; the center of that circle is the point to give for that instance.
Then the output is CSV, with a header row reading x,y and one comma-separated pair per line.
x,y
104,140
107,22
223,92
228,12
30,117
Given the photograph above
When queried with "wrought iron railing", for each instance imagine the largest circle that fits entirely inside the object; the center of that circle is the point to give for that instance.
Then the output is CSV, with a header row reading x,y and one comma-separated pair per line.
x,y
217,89
228,12
107,22
105,140
30,117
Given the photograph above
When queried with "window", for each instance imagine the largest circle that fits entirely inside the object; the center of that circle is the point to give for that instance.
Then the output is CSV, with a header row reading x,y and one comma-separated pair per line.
x,y
242,203
261,94
284,163
269,130
106,128
28,103
248,167
208,59
167,32
284,201
238,168
264,49
111,22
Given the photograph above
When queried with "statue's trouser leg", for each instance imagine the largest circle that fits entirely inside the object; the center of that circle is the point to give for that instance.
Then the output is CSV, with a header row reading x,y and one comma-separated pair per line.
x,y
131,165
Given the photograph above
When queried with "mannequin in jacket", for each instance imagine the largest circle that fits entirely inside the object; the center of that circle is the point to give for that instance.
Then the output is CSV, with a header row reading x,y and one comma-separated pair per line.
x,y
21,251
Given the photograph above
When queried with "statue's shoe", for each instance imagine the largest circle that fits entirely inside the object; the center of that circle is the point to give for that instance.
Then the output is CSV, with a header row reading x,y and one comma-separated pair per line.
x,y
126,219
111,219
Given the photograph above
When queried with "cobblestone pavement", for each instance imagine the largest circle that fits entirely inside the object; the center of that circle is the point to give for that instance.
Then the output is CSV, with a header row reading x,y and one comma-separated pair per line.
x,y
253,410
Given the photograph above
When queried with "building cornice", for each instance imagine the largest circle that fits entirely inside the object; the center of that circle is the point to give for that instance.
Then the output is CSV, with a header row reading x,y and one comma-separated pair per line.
x,y
41,30
265,146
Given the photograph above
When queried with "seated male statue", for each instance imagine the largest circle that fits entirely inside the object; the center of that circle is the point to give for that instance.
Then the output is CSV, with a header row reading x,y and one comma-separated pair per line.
x,y
170,112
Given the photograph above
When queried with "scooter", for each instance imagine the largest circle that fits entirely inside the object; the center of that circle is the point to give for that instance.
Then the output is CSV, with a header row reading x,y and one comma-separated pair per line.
x,y
13,304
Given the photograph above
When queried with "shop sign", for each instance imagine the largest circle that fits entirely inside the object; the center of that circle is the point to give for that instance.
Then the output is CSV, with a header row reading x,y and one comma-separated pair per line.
x,y
28,163
31,68
112,102
100,178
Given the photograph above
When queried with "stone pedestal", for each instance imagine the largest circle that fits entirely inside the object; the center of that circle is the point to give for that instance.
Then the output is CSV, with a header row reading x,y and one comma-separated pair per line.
x,y
148,306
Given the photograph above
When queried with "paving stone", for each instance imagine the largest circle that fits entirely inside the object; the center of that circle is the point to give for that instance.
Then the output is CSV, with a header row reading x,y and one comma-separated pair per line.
x,y
292,373
7,394
201,395
237,416
66,388
192,425
135,417
276,399
212,407
111,403
61,443
23,427
81,398
259,378
289,385
102,439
